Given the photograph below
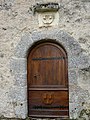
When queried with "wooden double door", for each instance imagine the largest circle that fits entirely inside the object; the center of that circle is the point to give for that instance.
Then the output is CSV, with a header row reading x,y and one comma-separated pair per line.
x,y
48,81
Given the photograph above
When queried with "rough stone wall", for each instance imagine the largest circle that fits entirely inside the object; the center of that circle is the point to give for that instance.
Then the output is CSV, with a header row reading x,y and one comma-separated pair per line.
x,y
16,20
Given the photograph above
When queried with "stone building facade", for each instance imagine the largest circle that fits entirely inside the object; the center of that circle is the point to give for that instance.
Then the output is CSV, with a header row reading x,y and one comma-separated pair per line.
x,y
20,29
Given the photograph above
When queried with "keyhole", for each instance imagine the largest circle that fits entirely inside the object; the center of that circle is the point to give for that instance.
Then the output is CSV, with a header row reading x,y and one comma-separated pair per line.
x,y
36,76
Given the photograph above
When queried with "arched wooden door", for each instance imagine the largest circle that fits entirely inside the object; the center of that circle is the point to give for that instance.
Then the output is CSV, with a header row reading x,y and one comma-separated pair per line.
x,y
48,81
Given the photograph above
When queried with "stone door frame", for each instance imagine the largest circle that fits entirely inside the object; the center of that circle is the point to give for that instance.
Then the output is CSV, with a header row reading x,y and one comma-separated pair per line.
x,y
18,66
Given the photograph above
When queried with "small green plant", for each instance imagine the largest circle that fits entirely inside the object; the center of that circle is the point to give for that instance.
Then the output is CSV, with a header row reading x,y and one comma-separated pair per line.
x,y
85,112
27,118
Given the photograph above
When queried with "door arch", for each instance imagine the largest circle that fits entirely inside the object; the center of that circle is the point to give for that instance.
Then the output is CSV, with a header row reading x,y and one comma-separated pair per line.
x,y
47,76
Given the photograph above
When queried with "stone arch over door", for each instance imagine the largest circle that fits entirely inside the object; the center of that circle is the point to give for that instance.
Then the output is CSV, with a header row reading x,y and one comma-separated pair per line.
x,y
76,61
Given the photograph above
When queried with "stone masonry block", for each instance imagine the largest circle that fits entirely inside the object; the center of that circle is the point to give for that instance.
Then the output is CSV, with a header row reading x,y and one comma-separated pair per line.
x,y
20,80
18,65
21,110
74,109
72,76
18,93
22,47
84,78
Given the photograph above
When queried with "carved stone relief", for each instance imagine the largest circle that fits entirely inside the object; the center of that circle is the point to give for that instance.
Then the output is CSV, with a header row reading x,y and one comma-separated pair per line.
x,y
47,13
48,19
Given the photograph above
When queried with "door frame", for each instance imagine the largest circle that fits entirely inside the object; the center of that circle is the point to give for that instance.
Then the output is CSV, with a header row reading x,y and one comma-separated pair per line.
x,y
38,43
18,67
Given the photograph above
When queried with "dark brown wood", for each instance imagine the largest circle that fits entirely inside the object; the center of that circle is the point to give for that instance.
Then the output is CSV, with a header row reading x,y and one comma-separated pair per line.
x,y
48,81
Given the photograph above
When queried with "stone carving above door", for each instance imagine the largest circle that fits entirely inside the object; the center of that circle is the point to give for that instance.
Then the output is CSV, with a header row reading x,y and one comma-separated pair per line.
x,y
47,13
47,19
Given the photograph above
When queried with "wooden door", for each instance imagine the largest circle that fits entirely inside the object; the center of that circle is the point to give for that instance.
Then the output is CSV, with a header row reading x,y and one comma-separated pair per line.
x,y
48,81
